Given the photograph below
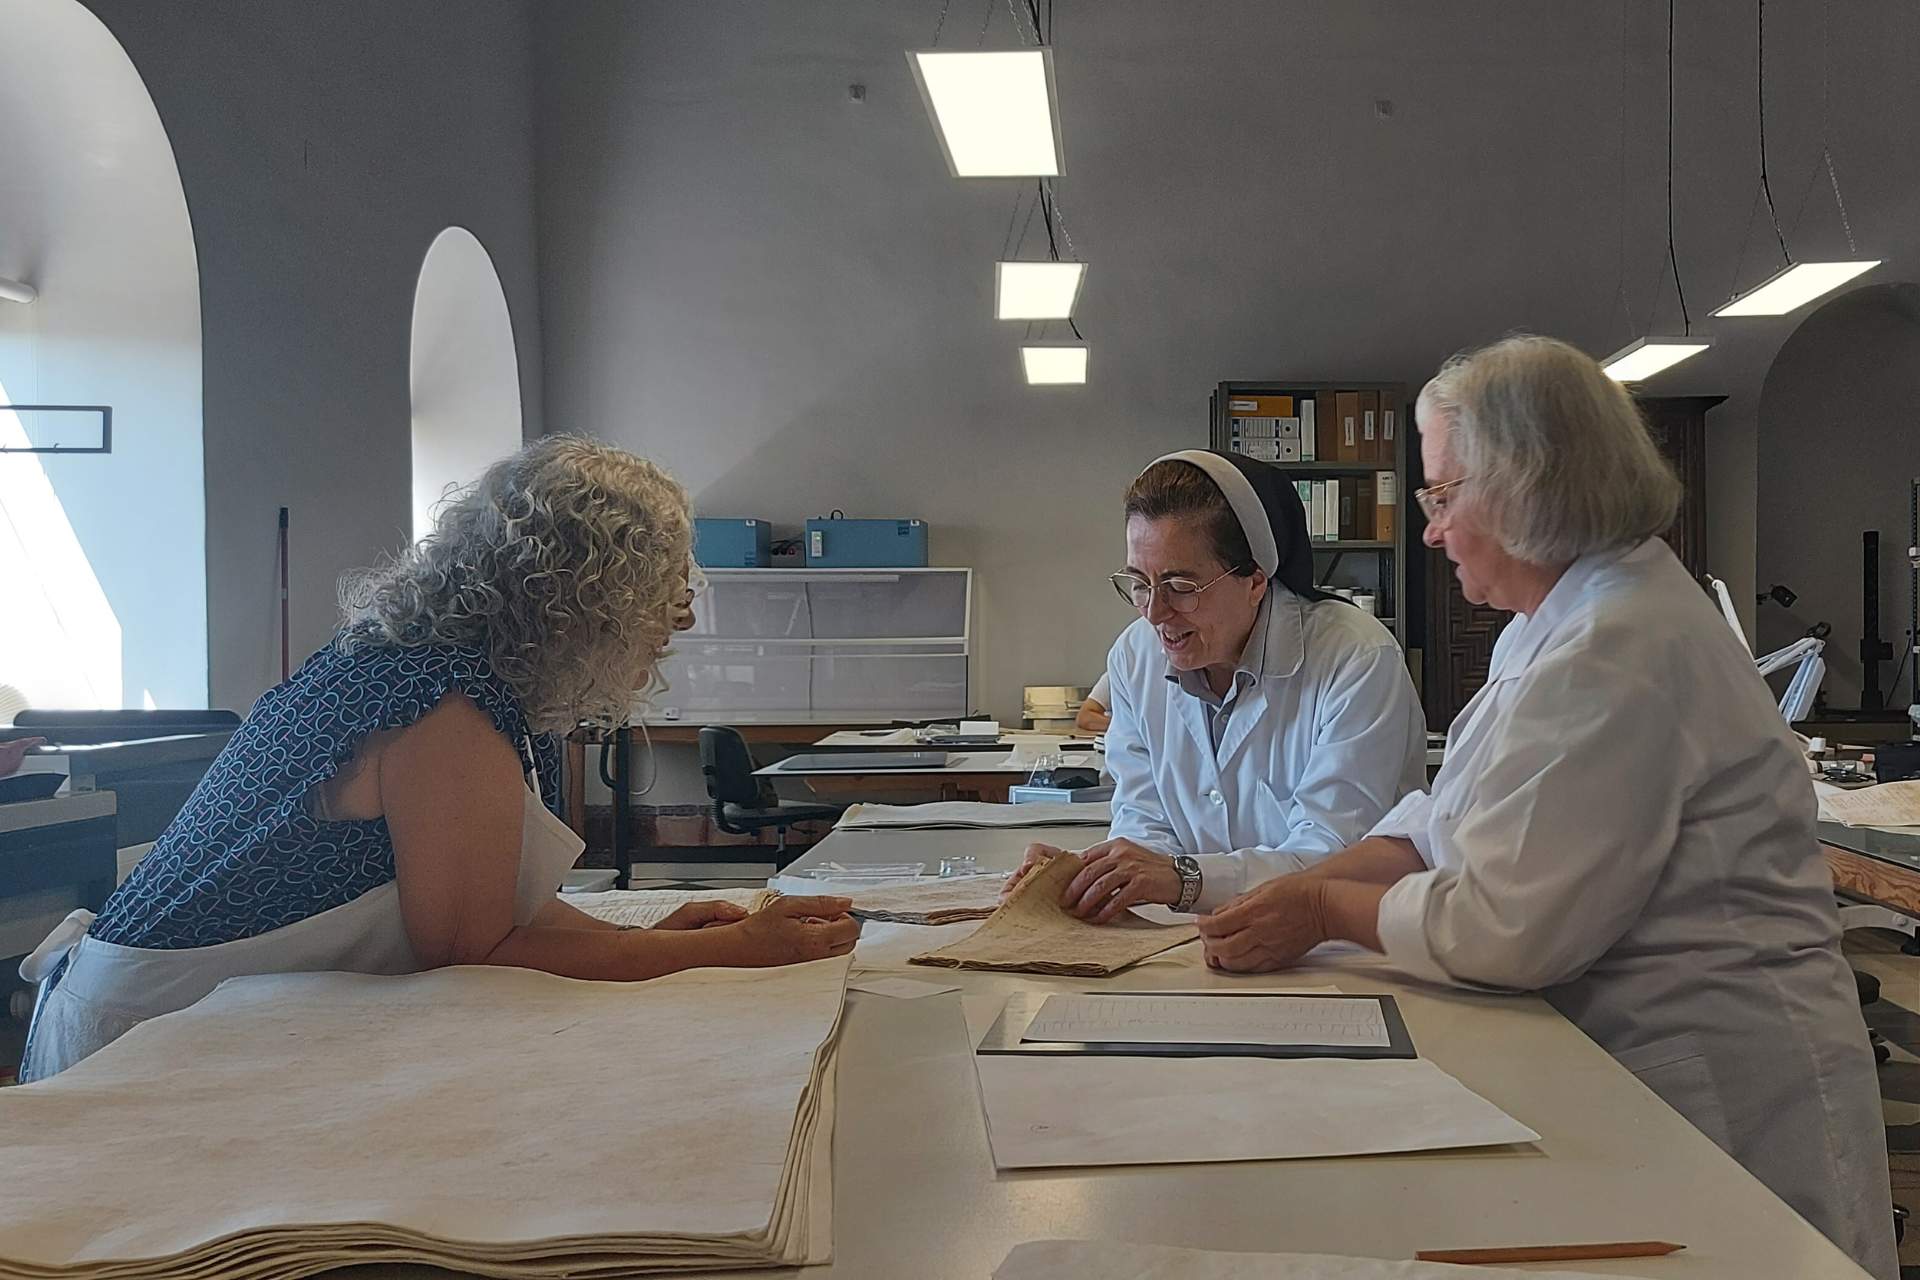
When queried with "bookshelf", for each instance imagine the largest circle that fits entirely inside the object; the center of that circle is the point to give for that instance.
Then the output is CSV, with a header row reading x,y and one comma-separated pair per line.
x,y
1365,563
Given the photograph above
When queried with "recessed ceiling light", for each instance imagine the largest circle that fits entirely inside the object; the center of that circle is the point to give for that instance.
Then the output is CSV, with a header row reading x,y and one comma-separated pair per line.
x,y
1036,290
993,111
1644,357
1054,365
1794,287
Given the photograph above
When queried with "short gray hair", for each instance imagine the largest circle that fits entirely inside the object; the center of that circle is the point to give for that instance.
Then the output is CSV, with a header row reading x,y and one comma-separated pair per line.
x,y
564,563
1558,460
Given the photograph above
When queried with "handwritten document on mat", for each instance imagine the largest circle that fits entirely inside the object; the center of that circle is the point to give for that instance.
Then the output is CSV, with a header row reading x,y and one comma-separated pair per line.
x,y
1032,933
1115,1260
1234,1019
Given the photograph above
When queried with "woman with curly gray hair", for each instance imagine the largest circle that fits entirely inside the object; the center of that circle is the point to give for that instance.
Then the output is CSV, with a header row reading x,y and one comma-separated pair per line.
x,y
390,807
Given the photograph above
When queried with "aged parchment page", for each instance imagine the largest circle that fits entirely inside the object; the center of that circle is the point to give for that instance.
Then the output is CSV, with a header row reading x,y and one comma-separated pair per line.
x,y
1032,933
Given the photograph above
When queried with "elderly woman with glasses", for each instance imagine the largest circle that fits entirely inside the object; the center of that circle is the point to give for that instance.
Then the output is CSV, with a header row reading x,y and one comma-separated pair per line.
x,y
1624,822
1259,723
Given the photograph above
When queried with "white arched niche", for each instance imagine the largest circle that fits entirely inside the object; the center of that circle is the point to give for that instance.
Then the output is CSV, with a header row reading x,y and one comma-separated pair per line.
x,y
103,584
465,375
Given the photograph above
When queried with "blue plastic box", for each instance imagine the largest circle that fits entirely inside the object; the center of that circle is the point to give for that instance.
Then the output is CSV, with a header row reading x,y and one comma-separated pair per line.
x,y
732,544
866,544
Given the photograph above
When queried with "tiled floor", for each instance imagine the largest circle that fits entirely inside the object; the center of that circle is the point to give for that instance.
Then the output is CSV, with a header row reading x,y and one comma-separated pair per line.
x,y
1896,1016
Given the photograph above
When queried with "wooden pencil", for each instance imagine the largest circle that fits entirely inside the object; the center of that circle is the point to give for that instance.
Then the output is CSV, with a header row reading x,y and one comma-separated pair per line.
x,y
1552,1252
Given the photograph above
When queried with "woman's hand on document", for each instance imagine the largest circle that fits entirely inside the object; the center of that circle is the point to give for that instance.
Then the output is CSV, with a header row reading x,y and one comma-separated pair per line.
x,y
792,931
1114,875
1268,927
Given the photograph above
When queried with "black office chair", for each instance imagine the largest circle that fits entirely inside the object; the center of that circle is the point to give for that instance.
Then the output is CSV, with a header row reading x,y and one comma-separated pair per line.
x,y
741,806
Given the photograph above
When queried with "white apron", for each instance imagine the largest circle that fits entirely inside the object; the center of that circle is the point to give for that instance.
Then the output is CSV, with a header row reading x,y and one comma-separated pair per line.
x,y
108,989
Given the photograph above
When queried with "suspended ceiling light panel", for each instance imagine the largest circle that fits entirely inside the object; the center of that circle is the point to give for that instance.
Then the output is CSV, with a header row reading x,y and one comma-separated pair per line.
x,y
1054,366
1794,287
994,111
1036,290
1644,357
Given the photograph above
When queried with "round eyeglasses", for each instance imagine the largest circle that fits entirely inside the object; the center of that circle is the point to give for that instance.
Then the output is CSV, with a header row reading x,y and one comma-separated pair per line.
x,y
1181,594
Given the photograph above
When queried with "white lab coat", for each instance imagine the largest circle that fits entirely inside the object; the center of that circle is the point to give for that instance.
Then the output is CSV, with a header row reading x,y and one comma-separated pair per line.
x,y
1624,824
1316,750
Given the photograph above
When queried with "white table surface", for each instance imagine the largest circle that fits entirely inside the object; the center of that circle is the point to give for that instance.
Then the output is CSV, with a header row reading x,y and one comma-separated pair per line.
x,y
889,739
916,1193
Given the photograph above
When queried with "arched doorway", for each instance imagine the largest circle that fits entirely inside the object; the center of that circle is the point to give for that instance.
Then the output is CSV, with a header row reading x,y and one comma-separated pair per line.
x,y
1839,440
102,557
465,375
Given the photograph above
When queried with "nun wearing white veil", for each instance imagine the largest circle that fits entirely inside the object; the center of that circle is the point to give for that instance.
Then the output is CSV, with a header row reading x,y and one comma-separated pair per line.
x,y
1259,724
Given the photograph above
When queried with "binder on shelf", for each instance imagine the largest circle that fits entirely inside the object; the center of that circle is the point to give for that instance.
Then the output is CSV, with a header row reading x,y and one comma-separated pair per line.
x,y
1389,411
1326,417
1386,505
1347,405
1346,530
1369,426
1320,510
1363,505
1308,452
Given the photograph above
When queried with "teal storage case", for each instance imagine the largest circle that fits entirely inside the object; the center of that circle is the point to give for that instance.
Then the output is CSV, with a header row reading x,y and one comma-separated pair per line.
x,y
732,544
866,544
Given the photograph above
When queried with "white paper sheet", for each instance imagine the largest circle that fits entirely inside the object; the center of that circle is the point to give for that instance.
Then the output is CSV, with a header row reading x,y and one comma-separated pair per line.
x,y
1117,1260
1342,1022
900,988
982,1011
1047,1112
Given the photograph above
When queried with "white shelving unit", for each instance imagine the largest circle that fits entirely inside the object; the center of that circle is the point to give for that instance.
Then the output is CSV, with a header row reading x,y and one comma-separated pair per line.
x,y
799,645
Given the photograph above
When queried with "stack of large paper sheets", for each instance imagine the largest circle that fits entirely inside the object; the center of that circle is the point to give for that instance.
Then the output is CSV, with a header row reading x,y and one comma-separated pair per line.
x,y
1104,1260
494,1121
1032,933
971,813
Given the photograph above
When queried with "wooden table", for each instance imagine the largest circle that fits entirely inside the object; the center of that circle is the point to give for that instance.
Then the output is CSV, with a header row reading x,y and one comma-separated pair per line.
x,y
1881,867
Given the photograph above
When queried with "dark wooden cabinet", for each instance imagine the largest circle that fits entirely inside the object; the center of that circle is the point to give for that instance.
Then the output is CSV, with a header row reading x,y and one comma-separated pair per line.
x,y
1460,635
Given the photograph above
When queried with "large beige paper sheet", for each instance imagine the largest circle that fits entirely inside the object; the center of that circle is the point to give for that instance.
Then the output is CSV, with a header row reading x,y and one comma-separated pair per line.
x,y
1114,1260
1032,933
455,1117
1044,1111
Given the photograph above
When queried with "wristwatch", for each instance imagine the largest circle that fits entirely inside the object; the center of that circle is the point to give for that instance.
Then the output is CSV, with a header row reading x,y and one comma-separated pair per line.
x,y
1189,868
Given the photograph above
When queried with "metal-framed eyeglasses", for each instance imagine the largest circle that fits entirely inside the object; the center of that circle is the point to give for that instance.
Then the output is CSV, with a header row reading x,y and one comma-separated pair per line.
x,y
1434,501
1181,594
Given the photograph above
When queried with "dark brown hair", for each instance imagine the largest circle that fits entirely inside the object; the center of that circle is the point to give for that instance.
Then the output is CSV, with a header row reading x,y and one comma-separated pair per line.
x,y
1171,488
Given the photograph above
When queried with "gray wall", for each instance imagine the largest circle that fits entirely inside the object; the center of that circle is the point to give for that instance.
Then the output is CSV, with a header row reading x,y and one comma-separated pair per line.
x,y
781,294
322,147
1839,442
